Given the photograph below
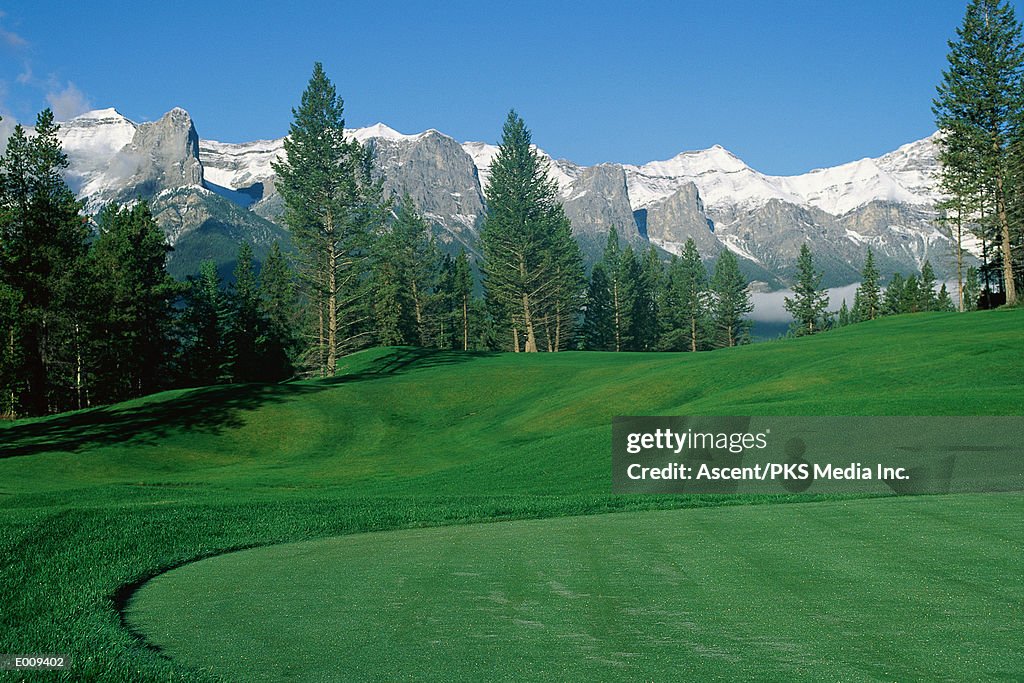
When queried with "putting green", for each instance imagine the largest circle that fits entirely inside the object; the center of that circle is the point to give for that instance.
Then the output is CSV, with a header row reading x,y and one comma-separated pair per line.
x,y
923,588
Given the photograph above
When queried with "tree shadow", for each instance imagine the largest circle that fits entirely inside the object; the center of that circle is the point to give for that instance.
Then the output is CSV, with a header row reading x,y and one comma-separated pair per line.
x,y
206,410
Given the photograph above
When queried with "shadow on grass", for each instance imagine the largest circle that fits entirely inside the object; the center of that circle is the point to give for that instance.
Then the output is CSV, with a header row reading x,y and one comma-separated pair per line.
x,y
207,410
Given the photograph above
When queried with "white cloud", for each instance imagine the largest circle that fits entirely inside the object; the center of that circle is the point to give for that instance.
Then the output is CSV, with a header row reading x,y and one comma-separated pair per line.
x,y
68,103
11,39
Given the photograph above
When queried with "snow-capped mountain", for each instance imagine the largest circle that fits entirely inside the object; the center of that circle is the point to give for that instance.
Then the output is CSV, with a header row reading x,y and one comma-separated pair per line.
x,y
204,191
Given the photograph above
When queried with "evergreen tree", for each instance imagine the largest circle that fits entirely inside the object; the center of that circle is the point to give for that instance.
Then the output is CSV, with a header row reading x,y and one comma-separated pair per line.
x,y
809,301
277,293
630,300
645,327
246,327
133,304
206,351
621,305
978,110
462,290
972,289
527,264
42,265
895,299
844,315
332,205
868,304
944,302
730,302
687,302
568,283
855,316
912,297
926,299
599,314
405,265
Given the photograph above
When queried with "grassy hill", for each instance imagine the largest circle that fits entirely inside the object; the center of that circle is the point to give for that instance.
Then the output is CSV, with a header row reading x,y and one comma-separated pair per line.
x,y
93,503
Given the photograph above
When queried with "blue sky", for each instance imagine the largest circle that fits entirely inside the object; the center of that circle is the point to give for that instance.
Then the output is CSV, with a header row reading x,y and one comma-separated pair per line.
x,y
787,85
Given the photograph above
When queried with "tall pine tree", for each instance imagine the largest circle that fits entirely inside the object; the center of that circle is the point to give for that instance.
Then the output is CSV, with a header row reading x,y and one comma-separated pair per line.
x,y
730,302
133,295
43,245
332,205
809,301
978,109
527,265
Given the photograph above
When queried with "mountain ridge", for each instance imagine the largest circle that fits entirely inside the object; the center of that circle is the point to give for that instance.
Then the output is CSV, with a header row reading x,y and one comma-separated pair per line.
x,y
709,195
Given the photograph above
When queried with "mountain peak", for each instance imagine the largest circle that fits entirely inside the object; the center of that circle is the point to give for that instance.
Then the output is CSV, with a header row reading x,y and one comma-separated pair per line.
x,y
380,130
100,114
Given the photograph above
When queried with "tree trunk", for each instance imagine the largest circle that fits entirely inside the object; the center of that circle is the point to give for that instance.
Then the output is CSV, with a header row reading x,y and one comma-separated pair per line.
x,y
332,300
959,259
419,313
1009,287
465,322
515,339
531,338
558,326
618,323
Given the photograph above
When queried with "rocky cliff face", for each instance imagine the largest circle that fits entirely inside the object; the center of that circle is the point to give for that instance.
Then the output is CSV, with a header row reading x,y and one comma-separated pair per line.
x,y
440,177
162,155
596,202
679,217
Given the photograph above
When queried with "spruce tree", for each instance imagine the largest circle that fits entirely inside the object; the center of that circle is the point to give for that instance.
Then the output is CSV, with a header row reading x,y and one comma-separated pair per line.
x,y
972,289
462,290
332,206
895,299
630,300
44,243
526,265
868,303
645,323
132,316
612,263
568,283
809,301
405,271
246,327
277,292
912,298
926,298
978,110
687,302
730,302
206,343
599,313
944,302
844,317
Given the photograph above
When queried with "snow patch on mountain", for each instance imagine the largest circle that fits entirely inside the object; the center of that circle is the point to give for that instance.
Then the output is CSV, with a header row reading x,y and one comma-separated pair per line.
x,y
906,175
91,141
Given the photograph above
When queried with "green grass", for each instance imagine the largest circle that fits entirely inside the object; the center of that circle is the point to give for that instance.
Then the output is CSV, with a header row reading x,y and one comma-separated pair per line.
x,y
857,590
94,501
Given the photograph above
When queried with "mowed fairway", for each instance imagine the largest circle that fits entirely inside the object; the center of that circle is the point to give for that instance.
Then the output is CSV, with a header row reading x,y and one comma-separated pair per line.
x,y
445,452
923,588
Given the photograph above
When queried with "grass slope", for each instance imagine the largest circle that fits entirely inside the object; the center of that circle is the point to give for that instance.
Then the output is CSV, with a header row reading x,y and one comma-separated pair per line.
x,y
96,500
855,590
